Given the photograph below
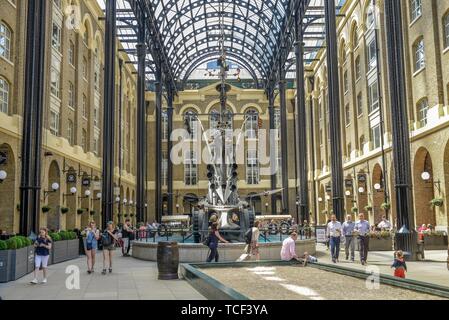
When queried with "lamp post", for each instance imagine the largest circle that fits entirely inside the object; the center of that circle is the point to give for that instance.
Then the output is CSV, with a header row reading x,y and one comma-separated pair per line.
x,y
426,176
54,188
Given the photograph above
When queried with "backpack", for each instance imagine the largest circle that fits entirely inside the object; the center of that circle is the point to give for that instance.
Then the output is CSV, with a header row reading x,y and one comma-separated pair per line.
x,y
106,238
248,235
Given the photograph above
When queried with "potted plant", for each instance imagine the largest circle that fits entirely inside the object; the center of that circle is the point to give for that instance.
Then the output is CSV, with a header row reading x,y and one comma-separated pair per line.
x,y
18,207
132,215
369,208
437,202
355,210
92,212
126,215
64,210
385,206
46,209
80,211
435,240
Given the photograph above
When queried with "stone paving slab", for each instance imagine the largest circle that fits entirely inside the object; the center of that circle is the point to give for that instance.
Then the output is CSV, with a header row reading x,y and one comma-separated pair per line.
x,y
131,279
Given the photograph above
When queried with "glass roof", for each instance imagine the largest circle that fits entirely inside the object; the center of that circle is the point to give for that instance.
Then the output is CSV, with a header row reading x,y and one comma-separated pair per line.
x,y
190,31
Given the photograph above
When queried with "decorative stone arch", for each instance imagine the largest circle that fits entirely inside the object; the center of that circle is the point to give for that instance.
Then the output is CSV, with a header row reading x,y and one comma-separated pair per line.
x,y
188,107
216,102
54,198
8,206
423,190
87,26
98,44
354,33
342,52
253,106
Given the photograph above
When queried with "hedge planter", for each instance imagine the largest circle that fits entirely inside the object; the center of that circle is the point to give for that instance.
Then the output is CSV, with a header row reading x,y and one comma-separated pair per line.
x,y
435,242
378,244
30,259
18,263
64,250
4,265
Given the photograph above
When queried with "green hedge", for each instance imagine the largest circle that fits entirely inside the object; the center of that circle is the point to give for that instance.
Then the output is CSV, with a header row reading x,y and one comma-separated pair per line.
x,y
3,245
55,236
16,242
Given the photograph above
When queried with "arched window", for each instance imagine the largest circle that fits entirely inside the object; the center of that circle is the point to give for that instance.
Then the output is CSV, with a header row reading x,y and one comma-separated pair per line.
x,y
190,168
164,125
214,120
419,54
4,95
70,132
415,9
5,41
446,30
86,35
191,123
252,124
422,109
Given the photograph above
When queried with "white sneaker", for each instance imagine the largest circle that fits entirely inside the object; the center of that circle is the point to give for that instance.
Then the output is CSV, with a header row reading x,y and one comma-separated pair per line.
x,y
44,280
34,281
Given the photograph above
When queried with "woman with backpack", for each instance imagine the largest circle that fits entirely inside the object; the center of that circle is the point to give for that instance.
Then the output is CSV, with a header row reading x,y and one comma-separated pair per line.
x,y
92,236
212,242
108,238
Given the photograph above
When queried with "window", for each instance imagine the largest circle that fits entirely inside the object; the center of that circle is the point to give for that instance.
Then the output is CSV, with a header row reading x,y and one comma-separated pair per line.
x,y
346,82
370,19
190,168
252,167
84,106
54,85
415,9
86,36
84,140
358,69
419,54
191,123
375,136
349,150
71,92
96,116
279,169
355,38
56,37
362,144
5,41
71,53
423,108
164,125
373,91
445,31
96,144
54,122
70,132
252,124
4,96
85,69
359,105
347,115
57,3
372,55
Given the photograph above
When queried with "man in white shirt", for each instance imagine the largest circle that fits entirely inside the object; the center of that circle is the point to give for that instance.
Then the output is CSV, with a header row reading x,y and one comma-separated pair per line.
x,y
362,228
333,232
288,251
384,224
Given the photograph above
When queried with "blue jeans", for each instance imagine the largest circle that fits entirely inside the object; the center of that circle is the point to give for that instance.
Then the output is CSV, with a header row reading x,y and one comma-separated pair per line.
x,y
335,247
213,254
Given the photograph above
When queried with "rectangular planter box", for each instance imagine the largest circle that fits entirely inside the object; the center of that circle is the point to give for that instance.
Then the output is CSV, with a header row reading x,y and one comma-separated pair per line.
x,y
5,257
376,244
18,263
30,262
59,251
435,242
73,247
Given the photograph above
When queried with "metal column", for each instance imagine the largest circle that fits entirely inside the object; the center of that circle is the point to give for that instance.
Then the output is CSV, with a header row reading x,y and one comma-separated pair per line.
x,y
273,155
158,153
334,110
302,123
32,117
141,123
170,95
120,133
107,199
284,137
400,128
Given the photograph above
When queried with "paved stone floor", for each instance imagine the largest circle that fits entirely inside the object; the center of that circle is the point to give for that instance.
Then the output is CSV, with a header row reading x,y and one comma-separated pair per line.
x,y
131,279
433,270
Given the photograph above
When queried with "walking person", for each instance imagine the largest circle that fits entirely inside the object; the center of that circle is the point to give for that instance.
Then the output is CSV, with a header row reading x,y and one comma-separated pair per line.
x,y
399,265
333,232
92,236
254,245
213,239
43,246
348,232
108,238
362,228
128,236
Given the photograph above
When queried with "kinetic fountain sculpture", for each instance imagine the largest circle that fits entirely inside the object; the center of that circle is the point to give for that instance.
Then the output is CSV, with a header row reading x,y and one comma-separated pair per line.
x,y
233,215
